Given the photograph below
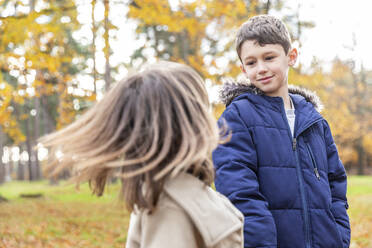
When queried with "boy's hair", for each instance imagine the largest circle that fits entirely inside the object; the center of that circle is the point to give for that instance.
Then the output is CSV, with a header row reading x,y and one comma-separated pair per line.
x,y
149,126
264,29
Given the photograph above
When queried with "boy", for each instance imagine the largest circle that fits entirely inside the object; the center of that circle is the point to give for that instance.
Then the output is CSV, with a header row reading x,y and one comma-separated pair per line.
x,y
281,168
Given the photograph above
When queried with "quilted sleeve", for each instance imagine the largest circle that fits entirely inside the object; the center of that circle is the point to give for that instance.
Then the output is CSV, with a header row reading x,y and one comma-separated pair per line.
x,y
338,183
236,177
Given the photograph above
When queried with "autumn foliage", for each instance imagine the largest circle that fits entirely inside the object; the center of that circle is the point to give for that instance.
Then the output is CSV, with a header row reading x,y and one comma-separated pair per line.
x,y
40,91
201,34
41,60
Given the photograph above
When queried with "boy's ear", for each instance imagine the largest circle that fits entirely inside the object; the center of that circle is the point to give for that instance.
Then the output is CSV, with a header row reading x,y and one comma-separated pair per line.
x,y
292,55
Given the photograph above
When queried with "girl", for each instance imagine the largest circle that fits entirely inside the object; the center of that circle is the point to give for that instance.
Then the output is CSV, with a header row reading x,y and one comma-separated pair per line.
x,y
154,130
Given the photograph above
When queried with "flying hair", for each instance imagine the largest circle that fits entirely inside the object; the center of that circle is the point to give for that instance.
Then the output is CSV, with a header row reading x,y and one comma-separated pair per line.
x,y
150,126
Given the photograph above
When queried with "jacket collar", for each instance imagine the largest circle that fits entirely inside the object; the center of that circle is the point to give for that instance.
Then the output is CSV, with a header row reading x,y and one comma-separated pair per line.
x,y
232,89
213,215
307,104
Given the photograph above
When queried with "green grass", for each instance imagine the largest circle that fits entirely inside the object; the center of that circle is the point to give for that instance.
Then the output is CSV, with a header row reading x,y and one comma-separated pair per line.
x,y
65,192
360,210
66,217
63,217
359,185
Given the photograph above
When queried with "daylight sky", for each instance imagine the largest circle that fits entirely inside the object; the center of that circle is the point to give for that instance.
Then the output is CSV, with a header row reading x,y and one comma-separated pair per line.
x,y
336,22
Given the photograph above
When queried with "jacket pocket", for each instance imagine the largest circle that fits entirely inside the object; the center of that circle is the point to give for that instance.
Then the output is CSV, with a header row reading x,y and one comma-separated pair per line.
x,y
339,231
313,162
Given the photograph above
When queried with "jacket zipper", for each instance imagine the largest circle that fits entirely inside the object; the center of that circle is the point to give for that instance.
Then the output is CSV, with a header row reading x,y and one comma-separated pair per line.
x,y
302,192
310,152
302,188
300,177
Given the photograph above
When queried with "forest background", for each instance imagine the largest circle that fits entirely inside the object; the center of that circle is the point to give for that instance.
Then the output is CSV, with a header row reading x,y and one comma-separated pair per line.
x,y
58,57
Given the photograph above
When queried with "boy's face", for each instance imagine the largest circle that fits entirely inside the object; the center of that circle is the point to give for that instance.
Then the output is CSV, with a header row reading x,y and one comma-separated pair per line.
x,y
267,66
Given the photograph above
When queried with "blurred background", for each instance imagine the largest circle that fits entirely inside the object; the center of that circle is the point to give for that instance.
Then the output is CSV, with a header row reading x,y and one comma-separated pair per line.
x,y
59,57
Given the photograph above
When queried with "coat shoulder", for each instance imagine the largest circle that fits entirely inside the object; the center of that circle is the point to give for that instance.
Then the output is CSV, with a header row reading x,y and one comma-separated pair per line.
x,y
215,218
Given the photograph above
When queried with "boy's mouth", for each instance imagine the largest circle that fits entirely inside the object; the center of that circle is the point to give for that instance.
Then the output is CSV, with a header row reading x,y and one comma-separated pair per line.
x,y
265,79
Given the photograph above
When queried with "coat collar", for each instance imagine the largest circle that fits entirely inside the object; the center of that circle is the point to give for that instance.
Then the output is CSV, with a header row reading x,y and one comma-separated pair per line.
x,y
232,89
212,214
307,104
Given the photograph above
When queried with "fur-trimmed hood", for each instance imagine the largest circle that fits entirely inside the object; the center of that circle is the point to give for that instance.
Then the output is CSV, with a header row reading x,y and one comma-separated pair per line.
x,y
232,89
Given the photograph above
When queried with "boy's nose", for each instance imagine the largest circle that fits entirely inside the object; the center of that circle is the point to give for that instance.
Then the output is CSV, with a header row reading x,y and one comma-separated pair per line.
x,y
261,68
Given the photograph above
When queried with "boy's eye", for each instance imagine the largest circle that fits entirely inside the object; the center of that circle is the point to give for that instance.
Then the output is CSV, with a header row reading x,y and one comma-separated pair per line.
x,y
269,58
249,63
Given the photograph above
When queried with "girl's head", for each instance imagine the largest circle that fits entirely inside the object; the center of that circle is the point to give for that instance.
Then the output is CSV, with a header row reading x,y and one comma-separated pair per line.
x,y
149,126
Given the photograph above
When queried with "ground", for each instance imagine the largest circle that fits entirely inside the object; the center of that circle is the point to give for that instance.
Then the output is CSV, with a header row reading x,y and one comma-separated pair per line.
x,y
64,217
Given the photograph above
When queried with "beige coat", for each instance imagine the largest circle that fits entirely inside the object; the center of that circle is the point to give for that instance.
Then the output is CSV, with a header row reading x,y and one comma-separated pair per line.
x,y
188,215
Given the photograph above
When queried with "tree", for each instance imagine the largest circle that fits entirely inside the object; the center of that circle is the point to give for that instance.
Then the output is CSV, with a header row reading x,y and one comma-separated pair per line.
x,y
348,105
40,61
198,33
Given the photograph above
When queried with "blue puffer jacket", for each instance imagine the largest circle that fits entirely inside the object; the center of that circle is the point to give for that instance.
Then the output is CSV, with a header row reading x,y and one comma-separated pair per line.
x,y
291,190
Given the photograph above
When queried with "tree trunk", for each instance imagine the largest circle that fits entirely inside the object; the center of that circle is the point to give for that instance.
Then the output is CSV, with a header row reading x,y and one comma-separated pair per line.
x,y
21,167
49,125
32,5
29,148
2,165
369,162
182,39
107,46
11,167
20,171
361,157
36,137
94,32
267,7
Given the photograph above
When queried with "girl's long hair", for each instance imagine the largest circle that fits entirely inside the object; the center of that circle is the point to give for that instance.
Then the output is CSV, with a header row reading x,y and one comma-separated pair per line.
x,y
149,126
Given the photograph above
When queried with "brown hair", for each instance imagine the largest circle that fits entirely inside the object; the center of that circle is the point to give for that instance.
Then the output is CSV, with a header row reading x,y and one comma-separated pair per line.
x,y
264,29
149,126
